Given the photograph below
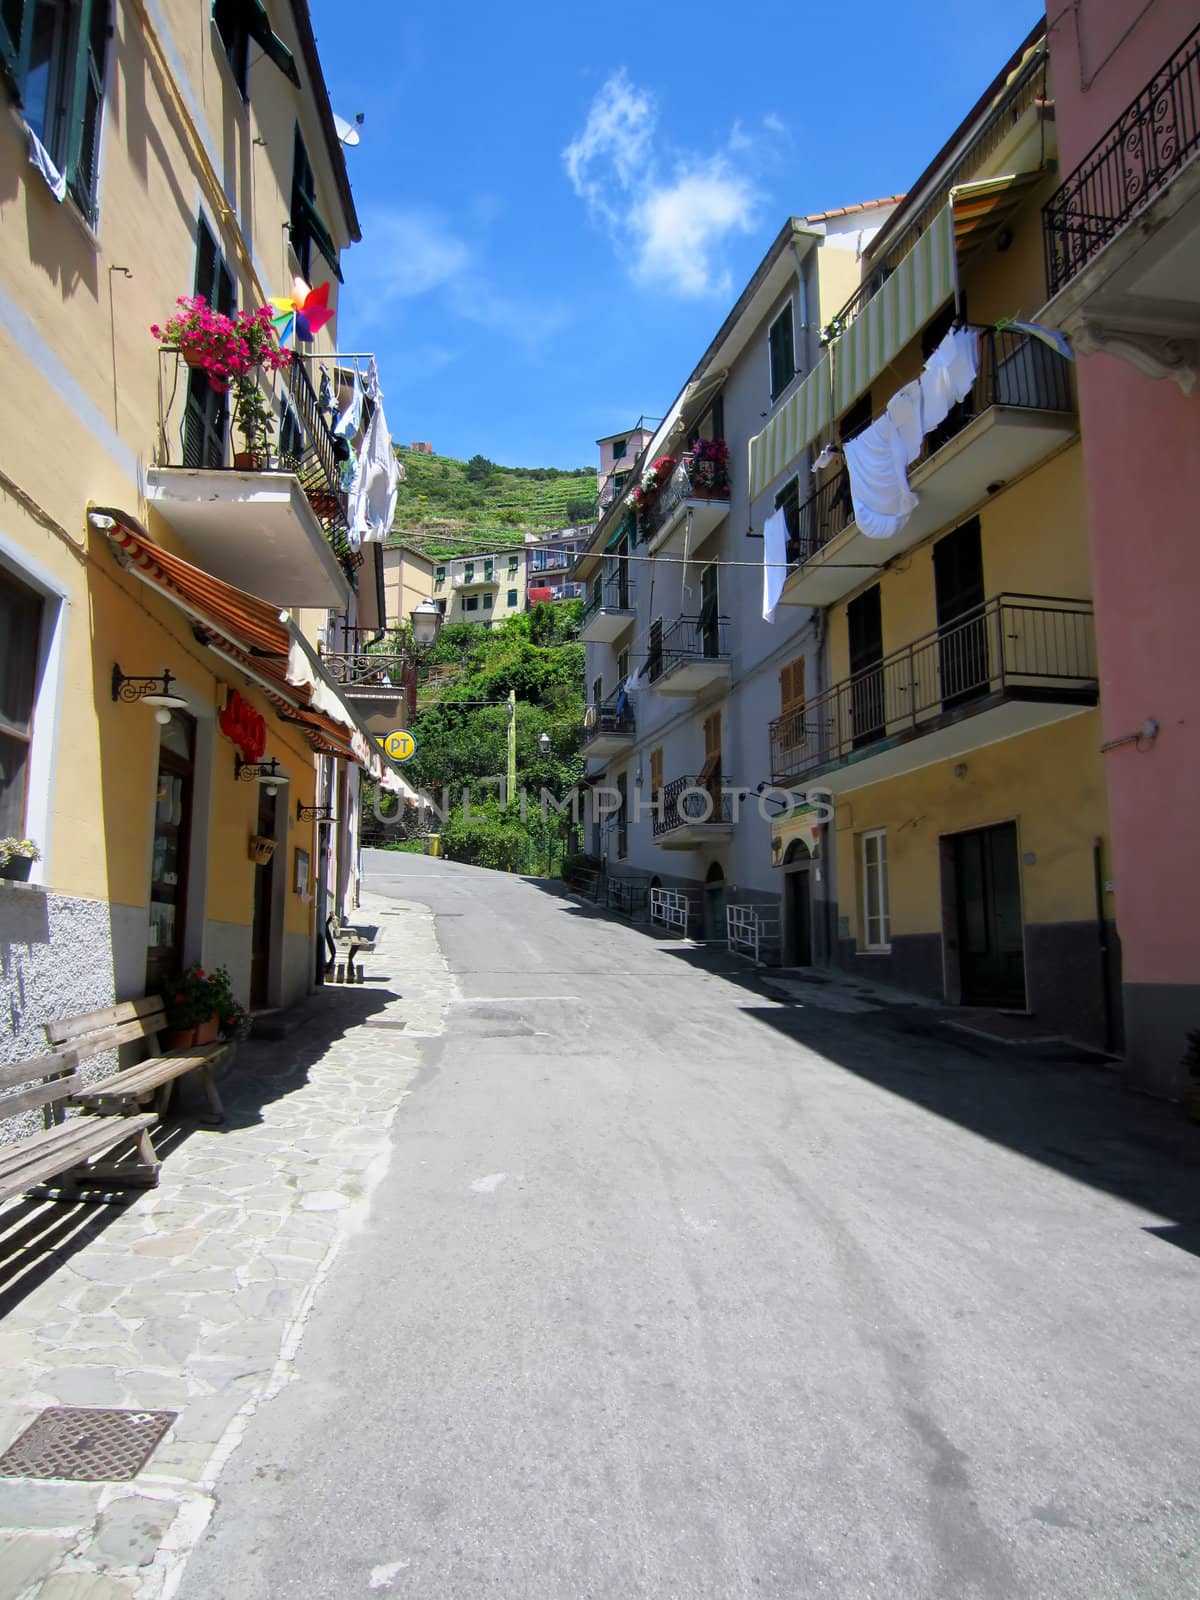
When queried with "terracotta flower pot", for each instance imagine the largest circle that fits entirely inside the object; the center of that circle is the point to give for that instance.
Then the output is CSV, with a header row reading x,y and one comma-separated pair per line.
x,y
249,461
206,1033
179,1038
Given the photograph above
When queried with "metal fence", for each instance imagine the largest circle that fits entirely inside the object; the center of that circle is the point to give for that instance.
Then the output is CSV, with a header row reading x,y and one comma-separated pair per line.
x,y
704,638
750,931
1135,160
613,715
669,908
615,591
1026,646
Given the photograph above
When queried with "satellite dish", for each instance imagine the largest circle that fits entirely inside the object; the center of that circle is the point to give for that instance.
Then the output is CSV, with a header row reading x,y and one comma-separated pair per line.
x,y
347,132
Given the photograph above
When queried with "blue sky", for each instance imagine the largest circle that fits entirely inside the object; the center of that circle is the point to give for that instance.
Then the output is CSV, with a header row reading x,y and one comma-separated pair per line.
x,y
560,202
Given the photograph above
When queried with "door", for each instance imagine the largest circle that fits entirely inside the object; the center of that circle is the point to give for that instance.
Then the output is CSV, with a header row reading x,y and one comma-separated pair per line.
x,y
799,915
710,630
264,896
169,863
714,903
962,627
987,880
864,620
622,576
710,777
206,414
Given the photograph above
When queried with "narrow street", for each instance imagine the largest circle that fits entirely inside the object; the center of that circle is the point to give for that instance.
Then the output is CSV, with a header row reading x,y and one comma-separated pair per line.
x,y
675,1290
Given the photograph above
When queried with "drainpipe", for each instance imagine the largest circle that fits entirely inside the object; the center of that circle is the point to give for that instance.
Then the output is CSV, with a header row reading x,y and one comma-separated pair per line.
x,y
1102,944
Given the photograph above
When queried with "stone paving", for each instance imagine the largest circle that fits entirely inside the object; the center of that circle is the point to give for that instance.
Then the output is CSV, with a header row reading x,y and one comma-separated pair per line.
x,y
193,1297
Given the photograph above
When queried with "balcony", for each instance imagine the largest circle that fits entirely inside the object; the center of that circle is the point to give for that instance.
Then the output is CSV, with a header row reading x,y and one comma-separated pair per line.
x,y
1122,234
690,657
609,727
483,577
1020,409
1016,663
691,813
695,496
542,593
375,682
280,533
611,608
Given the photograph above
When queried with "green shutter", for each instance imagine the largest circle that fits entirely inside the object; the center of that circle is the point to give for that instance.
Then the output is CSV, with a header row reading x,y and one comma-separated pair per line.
x,y
312,221
14,15
258,26
87,98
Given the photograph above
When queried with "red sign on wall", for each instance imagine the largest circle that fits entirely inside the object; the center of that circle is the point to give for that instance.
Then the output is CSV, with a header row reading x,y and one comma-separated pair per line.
x,y
243,726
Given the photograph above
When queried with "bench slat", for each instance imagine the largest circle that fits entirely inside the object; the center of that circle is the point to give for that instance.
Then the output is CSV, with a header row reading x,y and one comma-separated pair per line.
x,y
50,1160
147,1075
11,1105
99,1021
36,1067
93,1044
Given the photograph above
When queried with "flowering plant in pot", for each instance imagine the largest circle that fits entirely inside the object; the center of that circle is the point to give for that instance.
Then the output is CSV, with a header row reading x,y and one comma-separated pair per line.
x,y
190,1004
652,481
253,418
17,857
204,338
710,467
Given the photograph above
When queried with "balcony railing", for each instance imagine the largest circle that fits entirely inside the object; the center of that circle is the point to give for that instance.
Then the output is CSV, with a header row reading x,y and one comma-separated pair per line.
x,y
1015,370
688,639
1028,647
692,803
701,480
362,669
1146,146
613,593
195,430
612,715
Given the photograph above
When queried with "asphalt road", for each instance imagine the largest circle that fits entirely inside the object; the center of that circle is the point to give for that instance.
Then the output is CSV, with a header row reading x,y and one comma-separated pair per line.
x,y
674,1291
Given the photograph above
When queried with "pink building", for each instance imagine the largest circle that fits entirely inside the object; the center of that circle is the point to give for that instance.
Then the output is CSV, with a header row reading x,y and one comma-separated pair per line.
x,y
1122,239
618,452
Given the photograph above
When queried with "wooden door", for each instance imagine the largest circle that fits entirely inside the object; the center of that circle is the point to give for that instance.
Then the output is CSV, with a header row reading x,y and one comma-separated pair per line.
x,y
987,879
264,897
864,621
962,627
710,630
171,850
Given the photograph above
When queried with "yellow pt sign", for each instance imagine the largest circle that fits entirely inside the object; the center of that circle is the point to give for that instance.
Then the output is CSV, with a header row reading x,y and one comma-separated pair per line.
x,y
399,744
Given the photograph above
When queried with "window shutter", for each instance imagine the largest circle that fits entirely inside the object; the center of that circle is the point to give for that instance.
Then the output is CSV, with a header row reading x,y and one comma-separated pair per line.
x,y
12,17
791,685
656,771
86,99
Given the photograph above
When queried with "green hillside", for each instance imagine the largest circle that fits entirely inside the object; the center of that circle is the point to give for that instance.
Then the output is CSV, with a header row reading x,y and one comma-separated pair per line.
x,y
443,501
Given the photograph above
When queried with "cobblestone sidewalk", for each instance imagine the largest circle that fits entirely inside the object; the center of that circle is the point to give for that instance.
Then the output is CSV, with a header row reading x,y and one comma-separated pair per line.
x,y
193,1297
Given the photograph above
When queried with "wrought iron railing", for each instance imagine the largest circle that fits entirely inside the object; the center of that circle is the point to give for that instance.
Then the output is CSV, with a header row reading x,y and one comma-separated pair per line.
x,y
1026,647
613,715
688,639
1015,370
700,480
363,669
195,430
690,803
614,591
1146,146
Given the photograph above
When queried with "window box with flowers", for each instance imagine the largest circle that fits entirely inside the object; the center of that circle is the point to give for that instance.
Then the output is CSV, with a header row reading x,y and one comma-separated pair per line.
x,y
654,480
708,469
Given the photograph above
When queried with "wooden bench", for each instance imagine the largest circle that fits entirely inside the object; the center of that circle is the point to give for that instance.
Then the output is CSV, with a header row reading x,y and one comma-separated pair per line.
x,y
344,939
157,1075
65,1145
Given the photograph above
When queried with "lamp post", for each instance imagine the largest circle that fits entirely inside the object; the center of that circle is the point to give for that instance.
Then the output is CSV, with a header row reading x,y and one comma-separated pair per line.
x,y
426,622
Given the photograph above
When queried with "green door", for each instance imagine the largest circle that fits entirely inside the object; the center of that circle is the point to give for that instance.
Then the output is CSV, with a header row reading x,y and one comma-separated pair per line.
x,y
988,891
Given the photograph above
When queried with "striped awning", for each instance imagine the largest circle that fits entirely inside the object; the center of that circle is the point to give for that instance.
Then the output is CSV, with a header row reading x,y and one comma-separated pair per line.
x,y
981,208
923,281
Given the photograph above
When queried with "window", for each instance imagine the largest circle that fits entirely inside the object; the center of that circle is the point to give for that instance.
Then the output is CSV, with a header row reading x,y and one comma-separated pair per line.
x,y
439,577
291,439
856,420
469,572
240,21
619,448
307,225
710,772
620,479
876,916
656,773
489,601
788,501
654,651
441,605
512,597
206,414
512,566
791,701
622,816
623,666
710,621
783,352
597,690
20,634
471,603
489,570
52,52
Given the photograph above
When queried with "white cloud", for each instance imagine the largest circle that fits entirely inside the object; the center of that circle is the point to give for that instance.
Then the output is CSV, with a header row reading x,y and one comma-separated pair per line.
x,y
674,225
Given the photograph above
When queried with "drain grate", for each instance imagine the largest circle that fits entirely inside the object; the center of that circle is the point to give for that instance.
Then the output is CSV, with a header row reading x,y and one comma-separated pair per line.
x,y
86,1444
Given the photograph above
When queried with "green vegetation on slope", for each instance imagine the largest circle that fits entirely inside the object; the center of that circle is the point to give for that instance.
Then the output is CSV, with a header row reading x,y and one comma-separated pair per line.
x,y
447,506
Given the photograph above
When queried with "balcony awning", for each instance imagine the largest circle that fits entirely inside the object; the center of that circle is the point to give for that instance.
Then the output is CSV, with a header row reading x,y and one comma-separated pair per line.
x,y
263,642
980,209
920,285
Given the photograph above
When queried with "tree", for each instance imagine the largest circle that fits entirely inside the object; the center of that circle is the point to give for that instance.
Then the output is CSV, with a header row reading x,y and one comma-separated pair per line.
x,y
479,469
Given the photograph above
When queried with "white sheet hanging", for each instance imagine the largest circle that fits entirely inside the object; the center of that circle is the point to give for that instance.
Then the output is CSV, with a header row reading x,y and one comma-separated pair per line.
x,y
879,490
949,375
904,409
346,425
774,562
375,485
40,158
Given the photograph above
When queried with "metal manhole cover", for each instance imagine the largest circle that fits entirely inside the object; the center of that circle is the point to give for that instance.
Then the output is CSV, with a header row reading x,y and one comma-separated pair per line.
x,y
86,1444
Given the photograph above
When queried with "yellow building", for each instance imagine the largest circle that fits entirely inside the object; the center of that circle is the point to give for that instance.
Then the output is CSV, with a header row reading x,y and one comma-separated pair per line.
x,y
483,588
956,730
192,151
407,580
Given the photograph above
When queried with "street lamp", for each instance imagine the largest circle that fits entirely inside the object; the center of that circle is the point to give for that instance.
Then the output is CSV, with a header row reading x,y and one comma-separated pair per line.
x,y
544,743
426,620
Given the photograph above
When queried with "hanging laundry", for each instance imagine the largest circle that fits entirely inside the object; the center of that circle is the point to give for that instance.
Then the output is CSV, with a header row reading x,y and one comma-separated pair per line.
x,y
371,382
904,409
1053,338
774,562
346,425
829,454
375,486
39,157
949,375
879,490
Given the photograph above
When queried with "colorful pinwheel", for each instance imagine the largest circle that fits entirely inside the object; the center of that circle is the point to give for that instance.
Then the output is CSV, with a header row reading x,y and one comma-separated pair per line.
x,y
302,314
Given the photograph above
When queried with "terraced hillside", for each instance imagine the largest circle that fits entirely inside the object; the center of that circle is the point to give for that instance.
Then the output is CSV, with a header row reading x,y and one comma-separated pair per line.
x,y
446,506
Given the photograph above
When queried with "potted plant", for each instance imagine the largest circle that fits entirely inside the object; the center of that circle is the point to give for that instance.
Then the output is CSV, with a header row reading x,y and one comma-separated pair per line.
x,y
256,351
710,469
653,479
17,857
1191,1060
190,1007
204,338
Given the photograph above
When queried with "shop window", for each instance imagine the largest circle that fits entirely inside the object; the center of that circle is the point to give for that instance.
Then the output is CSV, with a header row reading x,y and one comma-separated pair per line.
x,y
876,912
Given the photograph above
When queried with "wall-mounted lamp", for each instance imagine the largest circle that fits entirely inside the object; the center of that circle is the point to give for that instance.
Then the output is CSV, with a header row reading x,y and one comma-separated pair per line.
x,y
150,691
269,773
544,743
314,813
